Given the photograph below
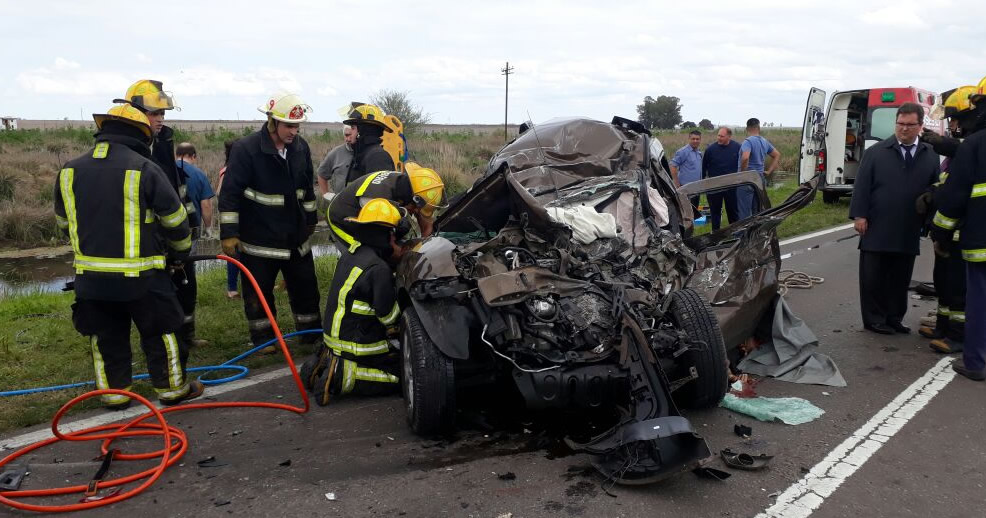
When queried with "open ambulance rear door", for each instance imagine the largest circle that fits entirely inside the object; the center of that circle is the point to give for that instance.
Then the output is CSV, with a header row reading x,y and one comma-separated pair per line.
x,y
812,134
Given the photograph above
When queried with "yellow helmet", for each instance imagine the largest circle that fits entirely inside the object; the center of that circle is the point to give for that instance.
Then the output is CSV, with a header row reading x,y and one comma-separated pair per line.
x,y
982,86
958,100
148,95
127,114
361,113
378,211
427,187
286,108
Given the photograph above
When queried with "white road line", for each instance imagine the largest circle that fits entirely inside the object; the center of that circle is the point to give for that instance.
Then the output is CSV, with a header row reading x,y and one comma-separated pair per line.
x,y
802,237
806,495
111,417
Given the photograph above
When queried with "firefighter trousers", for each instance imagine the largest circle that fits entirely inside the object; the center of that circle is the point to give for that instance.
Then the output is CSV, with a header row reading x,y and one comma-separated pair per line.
x,y
949,278
186,288
302,287
329,373
974,354
107,324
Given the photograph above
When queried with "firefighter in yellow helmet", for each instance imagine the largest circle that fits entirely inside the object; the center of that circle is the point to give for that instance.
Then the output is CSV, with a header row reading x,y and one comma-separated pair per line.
x,y
126,226
420,191
149,96
267,213
369,155
356,356
961,204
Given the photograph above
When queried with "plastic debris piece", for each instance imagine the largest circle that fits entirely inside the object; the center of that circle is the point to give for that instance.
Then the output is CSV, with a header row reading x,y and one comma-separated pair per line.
x,y
742,430
330,496
507,476
789,410
285,463
826,394
211,462
712,473
220,503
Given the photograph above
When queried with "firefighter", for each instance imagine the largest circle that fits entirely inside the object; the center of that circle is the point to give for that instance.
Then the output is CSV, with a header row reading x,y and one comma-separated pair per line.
x,y
369,155
962,207
948,333
419,191
267,213
120,214
149,97
356,356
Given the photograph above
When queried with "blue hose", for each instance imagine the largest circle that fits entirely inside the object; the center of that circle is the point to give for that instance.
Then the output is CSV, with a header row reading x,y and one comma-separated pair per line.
x,y
227,365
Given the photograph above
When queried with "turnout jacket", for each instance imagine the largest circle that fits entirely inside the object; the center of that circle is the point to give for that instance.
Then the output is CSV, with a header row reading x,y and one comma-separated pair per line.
x,y
961,201
361,305
390,185
268,201
122,216
885,193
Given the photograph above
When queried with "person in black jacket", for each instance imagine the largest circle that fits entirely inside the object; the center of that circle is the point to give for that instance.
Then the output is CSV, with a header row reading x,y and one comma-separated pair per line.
x,y
962,208
149,97
892,175
126,225
356,356
369,155
267,212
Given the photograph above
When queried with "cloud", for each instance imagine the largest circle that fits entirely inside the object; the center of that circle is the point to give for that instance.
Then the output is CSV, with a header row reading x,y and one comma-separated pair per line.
x,y
64,64
142,58
905,15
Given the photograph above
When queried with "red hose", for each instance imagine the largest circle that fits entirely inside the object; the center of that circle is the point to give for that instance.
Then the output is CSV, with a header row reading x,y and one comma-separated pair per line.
x,y
175,443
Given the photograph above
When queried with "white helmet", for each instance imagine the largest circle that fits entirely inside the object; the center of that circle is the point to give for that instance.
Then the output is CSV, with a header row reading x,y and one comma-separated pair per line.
x,y
286,108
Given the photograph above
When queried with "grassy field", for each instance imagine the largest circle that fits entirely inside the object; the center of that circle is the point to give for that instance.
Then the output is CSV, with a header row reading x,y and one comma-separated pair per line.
x,y
39,346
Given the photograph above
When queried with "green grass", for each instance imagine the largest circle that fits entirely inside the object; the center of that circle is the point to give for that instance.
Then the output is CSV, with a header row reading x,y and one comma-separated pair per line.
x,y
39,346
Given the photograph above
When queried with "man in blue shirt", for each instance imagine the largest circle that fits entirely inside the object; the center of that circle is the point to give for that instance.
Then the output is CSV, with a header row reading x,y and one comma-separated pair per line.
x,y
753,157
722,157
686,165
200,192
199,209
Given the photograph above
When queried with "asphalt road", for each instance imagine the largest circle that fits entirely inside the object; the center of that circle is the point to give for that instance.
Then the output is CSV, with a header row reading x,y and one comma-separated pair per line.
x,y
361,450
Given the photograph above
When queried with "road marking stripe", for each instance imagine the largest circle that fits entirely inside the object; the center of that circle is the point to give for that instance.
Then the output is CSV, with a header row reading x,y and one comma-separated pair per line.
x,y
111,417
802,237
806,495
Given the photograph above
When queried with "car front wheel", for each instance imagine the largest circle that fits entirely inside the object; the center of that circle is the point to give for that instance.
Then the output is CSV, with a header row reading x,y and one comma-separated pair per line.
x,y
428,380
693,315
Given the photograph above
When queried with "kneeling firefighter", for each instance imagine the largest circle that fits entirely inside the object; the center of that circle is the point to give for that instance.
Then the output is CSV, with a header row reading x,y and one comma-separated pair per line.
x,y
120,212
419,191
355,356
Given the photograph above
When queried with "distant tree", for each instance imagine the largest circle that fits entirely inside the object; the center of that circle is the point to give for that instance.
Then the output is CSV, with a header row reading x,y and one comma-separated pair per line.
x,y
688,125
398,103
661,113
706,124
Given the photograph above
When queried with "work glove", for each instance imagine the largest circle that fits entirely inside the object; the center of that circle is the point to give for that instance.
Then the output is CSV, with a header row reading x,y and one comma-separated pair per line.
x,y
931,137
924,203
231,245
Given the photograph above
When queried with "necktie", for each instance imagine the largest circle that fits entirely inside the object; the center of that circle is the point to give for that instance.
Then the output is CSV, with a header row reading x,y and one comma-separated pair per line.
x,y
908,156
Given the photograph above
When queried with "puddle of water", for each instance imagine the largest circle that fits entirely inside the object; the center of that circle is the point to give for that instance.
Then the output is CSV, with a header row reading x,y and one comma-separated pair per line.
x,y
49,273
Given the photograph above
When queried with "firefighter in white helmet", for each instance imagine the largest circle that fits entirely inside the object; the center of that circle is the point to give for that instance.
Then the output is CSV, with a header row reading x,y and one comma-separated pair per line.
x,y
267,213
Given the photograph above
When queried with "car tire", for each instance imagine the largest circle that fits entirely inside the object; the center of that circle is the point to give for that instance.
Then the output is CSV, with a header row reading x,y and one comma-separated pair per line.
x,y
693,315
830,197
428,380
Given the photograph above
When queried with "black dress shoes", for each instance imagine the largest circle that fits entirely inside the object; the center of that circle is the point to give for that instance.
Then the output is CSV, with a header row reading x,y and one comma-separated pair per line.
x,y
971,374
898,327
883,329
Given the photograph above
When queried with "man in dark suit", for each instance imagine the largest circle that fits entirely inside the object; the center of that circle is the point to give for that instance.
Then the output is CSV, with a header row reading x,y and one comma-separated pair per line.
x,y
891,176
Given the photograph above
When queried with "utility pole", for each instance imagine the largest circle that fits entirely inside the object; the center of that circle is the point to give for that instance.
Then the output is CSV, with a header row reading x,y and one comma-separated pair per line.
x,y
506,71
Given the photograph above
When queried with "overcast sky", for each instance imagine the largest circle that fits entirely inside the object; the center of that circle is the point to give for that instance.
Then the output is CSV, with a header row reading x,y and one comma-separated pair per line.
x,y
727,61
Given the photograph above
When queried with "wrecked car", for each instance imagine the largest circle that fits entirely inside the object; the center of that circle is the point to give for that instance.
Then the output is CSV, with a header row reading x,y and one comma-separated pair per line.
x,y
569,272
